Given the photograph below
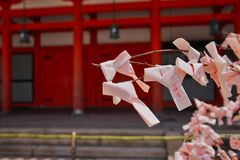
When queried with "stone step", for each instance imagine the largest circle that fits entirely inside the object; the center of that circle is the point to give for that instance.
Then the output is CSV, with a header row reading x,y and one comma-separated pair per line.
x,y
83,151
92,149
121,152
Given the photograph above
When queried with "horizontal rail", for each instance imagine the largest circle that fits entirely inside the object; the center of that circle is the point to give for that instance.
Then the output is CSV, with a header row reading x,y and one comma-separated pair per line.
x,y
127,22
101,137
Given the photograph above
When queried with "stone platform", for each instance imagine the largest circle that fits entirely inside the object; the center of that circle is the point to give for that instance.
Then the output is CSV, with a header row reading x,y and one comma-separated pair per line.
x,y
113,121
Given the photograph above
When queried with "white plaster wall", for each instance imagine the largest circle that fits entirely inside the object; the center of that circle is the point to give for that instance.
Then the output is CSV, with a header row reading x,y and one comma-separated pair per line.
x,y
187,32
133,14
61,38
42,3
49,39
58,3
110,1
126,35
185,11
16,42
57,39
63,18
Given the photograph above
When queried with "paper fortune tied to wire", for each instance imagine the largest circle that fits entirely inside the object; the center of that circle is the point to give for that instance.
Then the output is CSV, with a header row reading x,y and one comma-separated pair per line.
x,y
172,78
192,54
222,70
126,92
121,64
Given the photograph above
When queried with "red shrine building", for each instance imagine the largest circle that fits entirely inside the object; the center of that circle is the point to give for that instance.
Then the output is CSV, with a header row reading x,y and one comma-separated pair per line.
x,y
53,69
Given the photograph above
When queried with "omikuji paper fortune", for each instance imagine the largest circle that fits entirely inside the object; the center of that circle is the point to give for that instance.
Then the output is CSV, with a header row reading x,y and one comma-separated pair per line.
x,y
126,92
172,78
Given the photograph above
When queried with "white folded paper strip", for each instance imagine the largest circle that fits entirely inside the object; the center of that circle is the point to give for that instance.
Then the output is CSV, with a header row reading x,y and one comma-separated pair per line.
x,y
221,72
122,65
227,60
222,69
234,44
178,156
194,69
230,35
212,50
210,68
172,78
192,54
202,114
233,78
126,92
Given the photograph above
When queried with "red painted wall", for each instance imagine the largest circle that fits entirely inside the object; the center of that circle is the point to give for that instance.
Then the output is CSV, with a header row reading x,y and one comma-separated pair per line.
x,y
56,77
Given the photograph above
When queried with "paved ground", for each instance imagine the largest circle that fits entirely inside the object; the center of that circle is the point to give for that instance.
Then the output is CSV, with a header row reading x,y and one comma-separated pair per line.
x,y
112,119
107,119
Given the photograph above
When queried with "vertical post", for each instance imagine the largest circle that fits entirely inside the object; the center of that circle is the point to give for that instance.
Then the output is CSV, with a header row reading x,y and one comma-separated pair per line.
x,y
237,19
6,60
37,45
157,92
78,90
73,145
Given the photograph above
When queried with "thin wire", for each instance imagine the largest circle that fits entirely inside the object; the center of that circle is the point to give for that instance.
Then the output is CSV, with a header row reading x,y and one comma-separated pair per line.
x,y
142,63
96,65
158,51
132,62
147,53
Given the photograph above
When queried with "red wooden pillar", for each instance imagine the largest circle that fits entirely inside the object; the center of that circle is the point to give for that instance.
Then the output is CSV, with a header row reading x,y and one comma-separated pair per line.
x,y
237,17
78,90
157,92
6,60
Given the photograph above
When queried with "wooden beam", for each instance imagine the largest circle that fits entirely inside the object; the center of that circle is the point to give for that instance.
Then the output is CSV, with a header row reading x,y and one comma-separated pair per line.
x,y
53,26
123,22
128,22
6,62
36,12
